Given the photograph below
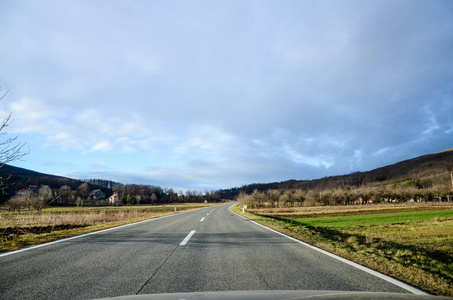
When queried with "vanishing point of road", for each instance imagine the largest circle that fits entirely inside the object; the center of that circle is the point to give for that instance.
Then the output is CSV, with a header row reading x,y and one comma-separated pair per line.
x,y
209,249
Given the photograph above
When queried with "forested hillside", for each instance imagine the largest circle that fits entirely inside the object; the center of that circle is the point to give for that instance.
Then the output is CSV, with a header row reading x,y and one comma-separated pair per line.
x,y
25,188
423,178
14,179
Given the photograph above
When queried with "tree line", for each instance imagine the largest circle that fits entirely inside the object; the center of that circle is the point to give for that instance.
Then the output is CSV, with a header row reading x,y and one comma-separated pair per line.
x,y
102,183
434,188
150,194
129,194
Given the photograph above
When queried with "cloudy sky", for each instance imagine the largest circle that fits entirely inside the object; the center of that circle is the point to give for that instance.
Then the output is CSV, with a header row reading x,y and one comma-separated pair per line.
x,y
216,94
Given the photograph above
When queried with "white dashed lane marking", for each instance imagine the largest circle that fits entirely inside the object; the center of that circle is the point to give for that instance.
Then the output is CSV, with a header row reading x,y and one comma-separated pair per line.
x,y
184,241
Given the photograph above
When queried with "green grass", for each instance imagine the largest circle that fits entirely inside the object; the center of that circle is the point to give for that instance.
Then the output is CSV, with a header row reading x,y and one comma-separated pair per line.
x,y
377,219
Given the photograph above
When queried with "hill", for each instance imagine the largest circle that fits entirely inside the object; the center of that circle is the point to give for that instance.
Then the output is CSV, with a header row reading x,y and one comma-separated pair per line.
x,y
19,178
422,172
15,178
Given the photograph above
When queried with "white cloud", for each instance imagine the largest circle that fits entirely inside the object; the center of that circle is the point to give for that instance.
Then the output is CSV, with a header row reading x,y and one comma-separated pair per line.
x,y
102,146
33,114
309,160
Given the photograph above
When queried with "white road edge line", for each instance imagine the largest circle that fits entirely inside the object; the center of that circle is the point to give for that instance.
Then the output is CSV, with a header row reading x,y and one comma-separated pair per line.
x,y
202,219
351,263
90,233
184,241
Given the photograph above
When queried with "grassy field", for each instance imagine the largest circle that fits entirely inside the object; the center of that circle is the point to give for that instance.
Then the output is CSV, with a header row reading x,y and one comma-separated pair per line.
x,y
368,220
18,230
413,243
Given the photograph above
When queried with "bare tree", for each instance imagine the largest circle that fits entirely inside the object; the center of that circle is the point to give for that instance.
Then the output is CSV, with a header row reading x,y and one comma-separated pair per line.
x,y
38,203
274,197
45,192
65,192
17,203
79,202
118,188
10,150
153,198
28,195
83,190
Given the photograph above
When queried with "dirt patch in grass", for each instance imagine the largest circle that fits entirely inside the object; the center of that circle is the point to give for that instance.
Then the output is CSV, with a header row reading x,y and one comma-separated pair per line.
x,y
13,231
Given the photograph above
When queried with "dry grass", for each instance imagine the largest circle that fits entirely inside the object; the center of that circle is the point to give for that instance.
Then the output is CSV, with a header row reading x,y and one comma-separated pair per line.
x,y
27,228
418,252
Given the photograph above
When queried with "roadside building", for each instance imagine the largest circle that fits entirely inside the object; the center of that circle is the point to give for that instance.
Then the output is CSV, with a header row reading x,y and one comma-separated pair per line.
x,y
96,195
114,199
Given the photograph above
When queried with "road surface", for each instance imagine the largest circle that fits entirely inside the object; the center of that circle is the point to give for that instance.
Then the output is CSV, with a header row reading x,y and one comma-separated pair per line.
x,y
210,249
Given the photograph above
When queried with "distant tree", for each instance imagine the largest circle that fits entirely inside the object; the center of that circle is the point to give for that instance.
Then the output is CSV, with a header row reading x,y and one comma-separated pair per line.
x,y
212,196
172,195
73,196
40,200
129,199
105,184
28,197
17,203
153,198
123,198
299,197
338,197
289,199
258,198
138,198
83,190
38,203
274,197
65,192
118,188
312,197
45,192
245,200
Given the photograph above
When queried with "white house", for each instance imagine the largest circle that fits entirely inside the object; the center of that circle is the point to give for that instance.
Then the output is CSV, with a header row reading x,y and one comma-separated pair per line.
x,y
114,199
97,194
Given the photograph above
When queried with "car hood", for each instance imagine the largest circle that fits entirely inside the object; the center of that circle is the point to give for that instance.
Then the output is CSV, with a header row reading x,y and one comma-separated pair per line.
x,y
278,295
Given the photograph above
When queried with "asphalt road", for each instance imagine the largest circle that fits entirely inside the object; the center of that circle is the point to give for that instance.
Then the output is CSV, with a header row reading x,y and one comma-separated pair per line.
x,y
224,253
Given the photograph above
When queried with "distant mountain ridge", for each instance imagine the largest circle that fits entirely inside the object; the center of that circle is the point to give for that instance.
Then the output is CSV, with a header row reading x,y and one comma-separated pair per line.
x,y
425,166
421,167
28,177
